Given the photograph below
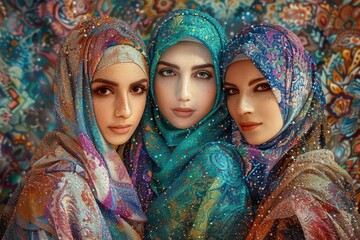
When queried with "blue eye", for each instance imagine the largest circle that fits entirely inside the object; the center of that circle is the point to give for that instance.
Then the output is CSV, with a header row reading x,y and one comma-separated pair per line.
x,y
203,75
167,72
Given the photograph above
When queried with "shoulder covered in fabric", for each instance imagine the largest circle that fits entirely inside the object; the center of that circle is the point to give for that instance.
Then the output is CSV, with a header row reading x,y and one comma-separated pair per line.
x,y
54,202
324,161
322,156
222,158
318,174
316,192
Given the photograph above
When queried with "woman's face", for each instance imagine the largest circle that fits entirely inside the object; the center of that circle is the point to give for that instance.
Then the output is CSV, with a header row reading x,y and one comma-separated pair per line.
x,y
185,84
119,97
251,102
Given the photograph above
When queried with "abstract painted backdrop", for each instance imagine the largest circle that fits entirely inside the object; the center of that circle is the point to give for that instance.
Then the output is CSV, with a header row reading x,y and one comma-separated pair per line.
x,y
31,33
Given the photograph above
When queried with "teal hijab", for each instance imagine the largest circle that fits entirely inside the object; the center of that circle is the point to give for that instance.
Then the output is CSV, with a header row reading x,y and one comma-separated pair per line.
x,y
171,148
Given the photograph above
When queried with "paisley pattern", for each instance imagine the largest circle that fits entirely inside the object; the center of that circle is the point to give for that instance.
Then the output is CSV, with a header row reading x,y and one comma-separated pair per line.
x,y
78,186
196,174
291,73
32,31
298,190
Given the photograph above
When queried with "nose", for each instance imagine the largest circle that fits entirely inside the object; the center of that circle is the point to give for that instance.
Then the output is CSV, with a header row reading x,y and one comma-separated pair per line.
x,y
244,105
122,107
183,89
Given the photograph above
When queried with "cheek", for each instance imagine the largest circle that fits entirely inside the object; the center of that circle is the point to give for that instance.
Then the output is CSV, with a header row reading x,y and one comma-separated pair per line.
x,y
231,105
272,111
162,90
138,105
204,87
98,110
161,97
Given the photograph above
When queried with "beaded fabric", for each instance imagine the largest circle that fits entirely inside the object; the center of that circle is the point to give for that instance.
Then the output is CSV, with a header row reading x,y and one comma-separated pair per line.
x,y
196,173
297,186
159,135
291,72
71,191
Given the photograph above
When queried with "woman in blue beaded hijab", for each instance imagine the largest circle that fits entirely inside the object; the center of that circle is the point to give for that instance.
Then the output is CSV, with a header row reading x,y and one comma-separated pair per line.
x,y
196,176
275,98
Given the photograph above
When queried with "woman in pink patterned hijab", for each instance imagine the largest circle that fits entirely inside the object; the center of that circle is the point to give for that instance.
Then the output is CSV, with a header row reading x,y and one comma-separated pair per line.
x,y
78,186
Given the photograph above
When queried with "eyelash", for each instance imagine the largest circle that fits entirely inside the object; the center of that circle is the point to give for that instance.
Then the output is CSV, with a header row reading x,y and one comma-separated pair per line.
x,y
233,91
170,73
133,89
141,87
208,75
165,72
98,90
262,85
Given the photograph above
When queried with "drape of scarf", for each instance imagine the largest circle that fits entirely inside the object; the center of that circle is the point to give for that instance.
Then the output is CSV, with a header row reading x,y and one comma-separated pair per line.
x,y
169,147
301,191
196,173
281,58
77,146
314,200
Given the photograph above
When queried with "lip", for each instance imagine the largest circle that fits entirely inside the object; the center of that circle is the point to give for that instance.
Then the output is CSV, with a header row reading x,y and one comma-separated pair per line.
x,y
183,112
248,126
120,129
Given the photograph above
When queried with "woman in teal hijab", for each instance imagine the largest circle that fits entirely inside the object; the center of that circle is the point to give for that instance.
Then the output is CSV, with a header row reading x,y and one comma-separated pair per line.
x,y
196,180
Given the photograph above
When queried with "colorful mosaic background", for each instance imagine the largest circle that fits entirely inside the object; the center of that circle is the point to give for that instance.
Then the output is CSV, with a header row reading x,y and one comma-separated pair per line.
x,y
31,33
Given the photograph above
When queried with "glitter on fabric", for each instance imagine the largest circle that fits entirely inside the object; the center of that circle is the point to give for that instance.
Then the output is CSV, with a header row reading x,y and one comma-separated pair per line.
x,y
123,54
297,187
70,191
197,187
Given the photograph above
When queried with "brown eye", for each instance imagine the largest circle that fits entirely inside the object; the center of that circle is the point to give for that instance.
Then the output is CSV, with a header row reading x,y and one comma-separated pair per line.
x,y
102,90
262,87
231,91
138,89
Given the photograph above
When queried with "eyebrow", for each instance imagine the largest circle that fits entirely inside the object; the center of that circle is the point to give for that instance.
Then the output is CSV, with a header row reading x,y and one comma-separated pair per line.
x,y
101,80
252,82
206,65
229,84
144,80
256,80
168,64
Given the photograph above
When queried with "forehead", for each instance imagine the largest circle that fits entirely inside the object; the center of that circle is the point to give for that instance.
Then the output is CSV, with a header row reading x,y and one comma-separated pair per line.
x,y
242,71
187,49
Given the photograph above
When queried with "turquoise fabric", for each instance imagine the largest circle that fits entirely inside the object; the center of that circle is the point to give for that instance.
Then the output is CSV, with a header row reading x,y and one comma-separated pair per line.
x,y
160,136
196,174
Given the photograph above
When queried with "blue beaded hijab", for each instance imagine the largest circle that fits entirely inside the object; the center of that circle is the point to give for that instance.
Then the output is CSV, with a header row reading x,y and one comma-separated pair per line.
x,y
291,72
171,148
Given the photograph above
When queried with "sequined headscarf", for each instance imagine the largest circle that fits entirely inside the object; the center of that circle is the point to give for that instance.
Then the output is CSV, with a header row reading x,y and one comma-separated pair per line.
x,y
77,144
291,72
160,135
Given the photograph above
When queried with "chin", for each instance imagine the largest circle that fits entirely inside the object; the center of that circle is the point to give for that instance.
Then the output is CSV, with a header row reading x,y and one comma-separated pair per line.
x,y
181,126
120,142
